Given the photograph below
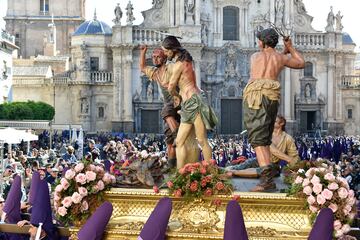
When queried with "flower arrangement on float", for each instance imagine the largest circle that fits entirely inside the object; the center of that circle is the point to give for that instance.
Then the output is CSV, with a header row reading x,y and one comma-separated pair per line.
x,y
197,180
80,192
323,187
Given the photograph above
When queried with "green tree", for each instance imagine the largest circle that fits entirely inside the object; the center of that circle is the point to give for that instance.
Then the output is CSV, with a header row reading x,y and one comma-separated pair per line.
x,y
26,111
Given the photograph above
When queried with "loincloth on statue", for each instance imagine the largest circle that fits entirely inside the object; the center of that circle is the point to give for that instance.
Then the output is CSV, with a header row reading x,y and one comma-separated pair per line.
x,y
261,101
197,105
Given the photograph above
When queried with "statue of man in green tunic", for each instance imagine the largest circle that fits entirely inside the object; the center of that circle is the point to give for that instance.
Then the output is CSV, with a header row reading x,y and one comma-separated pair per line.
x,y
261,98
195,112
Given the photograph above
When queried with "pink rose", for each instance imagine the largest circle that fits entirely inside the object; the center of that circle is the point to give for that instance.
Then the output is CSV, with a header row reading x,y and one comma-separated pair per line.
x,y
56,197
70,174
58,188
194,186
84,206
299,180
170,184
156,189
83,191
100,185
313,209
309,172
99,169
92,167
236,197
317,188
202,170
219,186
90,176
329,177
343,193
347,209
113,179
351,200
67,202
327,194
178,193
311,200
64,183
307,190
315,180
62,211
320,199
79,167
305,182
351,193
333,186
333,207
106,178
337,225
76,198
208,192
339,233
345,228
81,178
182,171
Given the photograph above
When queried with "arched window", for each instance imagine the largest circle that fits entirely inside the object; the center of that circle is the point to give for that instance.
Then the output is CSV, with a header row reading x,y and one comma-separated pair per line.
x,y
101,112
308,70
231,23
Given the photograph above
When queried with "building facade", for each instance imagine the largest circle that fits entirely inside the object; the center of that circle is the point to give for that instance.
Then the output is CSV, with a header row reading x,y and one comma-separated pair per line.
x,y
29,22
105,91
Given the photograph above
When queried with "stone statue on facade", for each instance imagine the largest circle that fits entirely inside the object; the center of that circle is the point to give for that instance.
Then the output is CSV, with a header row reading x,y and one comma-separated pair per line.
x,y
204,33
339,25
330,21
4,70
84,106
118,14
150,92
189,10
279,12
129,13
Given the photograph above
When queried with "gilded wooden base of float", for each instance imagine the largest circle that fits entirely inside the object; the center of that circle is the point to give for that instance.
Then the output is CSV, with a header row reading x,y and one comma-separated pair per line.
x,y
267,215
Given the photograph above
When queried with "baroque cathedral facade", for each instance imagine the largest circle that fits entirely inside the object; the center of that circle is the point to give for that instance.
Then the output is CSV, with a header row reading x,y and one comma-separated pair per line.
x,y
100,85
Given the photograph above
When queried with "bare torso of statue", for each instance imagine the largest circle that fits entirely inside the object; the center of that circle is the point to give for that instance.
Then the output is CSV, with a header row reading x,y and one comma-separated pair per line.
x,y
266,64
187,81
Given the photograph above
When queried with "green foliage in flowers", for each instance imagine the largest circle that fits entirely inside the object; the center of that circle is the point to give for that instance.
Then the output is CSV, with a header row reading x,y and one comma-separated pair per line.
x,y
196,180
26,111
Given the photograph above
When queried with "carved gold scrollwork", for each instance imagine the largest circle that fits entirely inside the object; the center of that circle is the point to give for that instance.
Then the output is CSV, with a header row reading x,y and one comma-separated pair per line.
x,y
130,226
199,216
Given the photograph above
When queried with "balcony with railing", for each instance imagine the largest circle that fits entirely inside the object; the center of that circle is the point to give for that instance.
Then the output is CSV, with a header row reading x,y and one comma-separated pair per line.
x,y
147,36
101,76
310,40
350,82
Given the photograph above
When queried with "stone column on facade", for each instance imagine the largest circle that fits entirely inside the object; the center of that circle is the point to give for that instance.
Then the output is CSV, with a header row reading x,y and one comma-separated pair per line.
x,y
197,12
330,87
181,10
287,97
127,100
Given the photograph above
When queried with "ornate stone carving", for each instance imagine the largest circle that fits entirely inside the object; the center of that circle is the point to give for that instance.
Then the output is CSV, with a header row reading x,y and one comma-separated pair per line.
x,y
131,226
300,7
118,14
279,12
204,33
157,3
231,62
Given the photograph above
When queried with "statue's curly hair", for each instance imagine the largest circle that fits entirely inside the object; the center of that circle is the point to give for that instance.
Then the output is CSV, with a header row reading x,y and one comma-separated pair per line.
x,y
269,37
172,43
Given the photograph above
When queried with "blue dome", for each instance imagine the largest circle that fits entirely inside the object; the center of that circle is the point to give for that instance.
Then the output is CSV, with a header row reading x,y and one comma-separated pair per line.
x,y
346,39
93,27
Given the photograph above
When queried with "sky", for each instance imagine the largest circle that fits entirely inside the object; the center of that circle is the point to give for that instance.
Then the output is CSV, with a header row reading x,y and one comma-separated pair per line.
x,y
316,8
